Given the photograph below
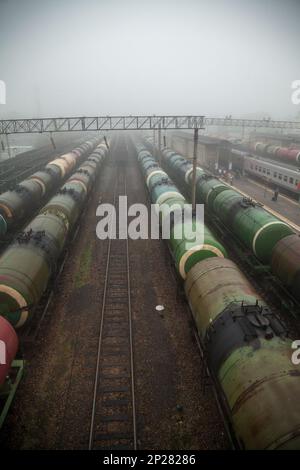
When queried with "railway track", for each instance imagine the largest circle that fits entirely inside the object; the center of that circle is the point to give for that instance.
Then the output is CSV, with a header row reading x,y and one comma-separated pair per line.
x,y
171,413
113,418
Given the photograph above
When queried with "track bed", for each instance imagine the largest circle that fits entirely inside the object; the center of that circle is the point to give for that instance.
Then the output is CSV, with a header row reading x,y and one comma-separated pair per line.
x,y
174,407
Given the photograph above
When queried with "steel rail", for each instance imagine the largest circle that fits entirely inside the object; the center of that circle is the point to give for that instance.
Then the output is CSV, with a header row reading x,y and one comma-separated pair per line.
x,y
101,330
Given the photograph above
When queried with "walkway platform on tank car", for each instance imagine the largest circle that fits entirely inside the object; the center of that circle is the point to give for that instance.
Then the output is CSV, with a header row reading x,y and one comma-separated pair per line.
x,y
284,208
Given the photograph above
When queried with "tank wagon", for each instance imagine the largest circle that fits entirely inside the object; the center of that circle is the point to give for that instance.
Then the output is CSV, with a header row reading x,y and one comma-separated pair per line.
x,y
285,263
9,338
31,260
167,197
271,240
26,197
11,369
246,348
286,154
255,227
249,356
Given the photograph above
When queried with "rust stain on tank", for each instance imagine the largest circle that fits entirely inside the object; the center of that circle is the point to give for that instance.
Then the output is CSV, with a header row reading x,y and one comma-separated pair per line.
x,y
254,389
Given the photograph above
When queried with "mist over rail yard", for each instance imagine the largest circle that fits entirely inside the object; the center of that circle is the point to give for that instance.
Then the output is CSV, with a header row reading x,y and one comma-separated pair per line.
x,y
149,228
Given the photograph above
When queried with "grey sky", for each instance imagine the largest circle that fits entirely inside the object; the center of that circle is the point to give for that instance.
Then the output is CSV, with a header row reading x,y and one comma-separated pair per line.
x,y
213,57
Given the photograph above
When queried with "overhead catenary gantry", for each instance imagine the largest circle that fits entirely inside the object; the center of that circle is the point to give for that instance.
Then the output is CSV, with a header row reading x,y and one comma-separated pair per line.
x,y
119,123
133,123
99,123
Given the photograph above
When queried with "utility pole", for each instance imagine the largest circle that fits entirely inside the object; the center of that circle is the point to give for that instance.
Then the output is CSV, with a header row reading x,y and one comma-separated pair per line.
x,y
165,141
106,143
194,171
159,143
52,141
8,146
154,144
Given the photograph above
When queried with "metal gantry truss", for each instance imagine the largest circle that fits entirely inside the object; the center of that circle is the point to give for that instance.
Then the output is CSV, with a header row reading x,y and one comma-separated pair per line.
x,y
268,123
99,123
111,123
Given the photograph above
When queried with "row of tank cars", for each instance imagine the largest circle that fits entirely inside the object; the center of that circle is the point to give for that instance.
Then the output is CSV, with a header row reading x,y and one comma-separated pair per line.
x,y
272,241
32,258
246,346
286,154
28,195
290,155
277,166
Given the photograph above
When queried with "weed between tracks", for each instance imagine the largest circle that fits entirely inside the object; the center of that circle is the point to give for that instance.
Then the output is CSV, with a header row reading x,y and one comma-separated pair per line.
x,y
83,270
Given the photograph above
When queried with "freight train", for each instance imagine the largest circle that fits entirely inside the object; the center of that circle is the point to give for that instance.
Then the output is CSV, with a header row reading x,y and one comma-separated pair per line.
x,y
29,262
245,344
254,226
289,155
27,265
166,196
259,231
284,258
9,338
28,195
285,154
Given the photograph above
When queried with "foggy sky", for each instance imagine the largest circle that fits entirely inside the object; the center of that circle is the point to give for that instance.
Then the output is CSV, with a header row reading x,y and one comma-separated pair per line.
x,y
212,57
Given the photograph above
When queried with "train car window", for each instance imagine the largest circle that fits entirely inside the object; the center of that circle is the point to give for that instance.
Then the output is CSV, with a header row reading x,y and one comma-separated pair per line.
x,y
285,178
280,176
256,167
291,180
275,174
296,182
264,170
268,172
259,169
